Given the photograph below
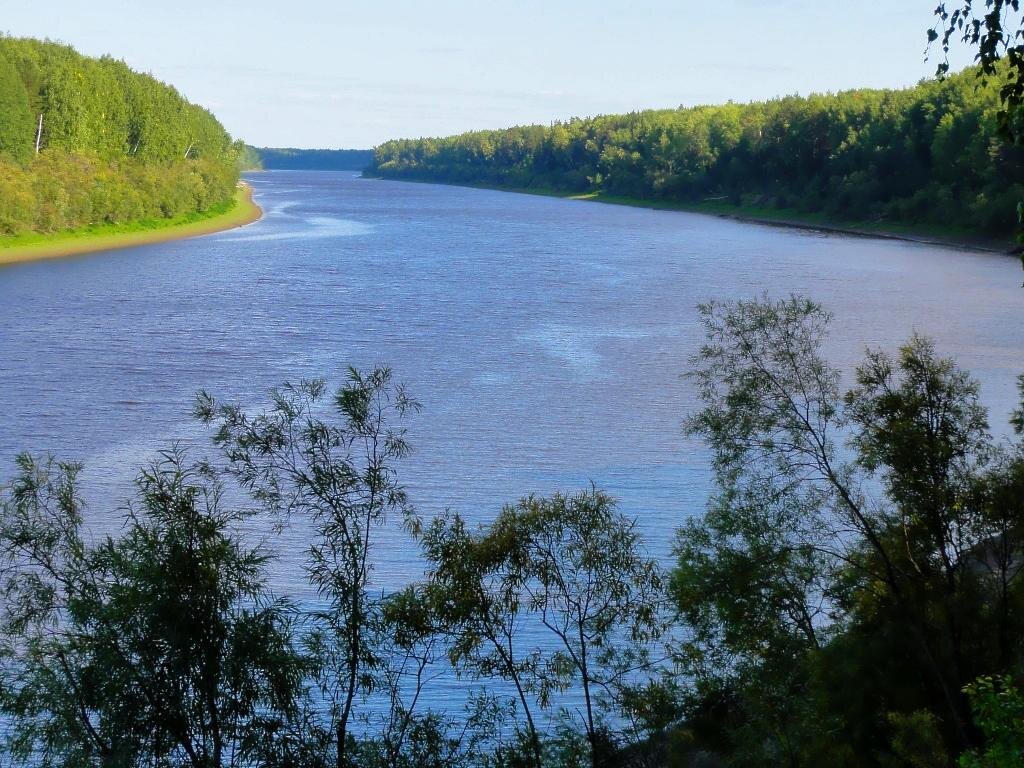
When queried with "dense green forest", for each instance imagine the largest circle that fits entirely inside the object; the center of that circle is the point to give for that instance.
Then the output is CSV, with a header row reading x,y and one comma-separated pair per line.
x,y
929,155
114,146
852,596
289,159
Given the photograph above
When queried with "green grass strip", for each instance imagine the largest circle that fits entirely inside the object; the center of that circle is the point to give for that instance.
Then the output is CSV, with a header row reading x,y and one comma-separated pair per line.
x,y
237,212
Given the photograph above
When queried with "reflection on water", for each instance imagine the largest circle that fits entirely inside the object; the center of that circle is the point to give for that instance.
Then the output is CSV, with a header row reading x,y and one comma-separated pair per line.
x,y
313,228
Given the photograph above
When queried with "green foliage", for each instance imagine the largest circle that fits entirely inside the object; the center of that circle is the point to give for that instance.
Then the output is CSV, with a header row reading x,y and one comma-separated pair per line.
x,y
476,583
16,120
116,146
999,708
915,740
248,157
340,477
595,593
571,563
847,598
927,155
162,646
996,33
862,555
313,159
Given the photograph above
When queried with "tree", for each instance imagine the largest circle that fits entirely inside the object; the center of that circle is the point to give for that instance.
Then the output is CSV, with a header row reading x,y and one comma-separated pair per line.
x,y
476,583
997,33
113,144
999,708
801,564
573,565
160,647
595,593
399,734
342,479
928,154
16,123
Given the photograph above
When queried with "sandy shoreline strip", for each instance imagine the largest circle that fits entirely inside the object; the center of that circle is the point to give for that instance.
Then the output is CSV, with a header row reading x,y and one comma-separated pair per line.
x,y
244,211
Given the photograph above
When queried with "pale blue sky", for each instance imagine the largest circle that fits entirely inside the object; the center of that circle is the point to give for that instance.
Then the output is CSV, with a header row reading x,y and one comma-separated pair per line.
x,y
337,73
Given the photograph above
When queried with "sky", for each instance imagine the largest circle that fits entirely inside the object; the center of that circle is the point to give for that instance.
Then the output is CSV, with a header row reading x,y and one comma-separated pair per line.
x,y
344,74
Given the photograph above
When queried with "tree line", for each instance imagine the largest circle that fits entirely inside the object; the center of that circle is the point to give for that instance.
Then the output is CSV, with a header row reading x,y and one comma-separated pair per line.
x,y
271,158
934,154
87,141
852,594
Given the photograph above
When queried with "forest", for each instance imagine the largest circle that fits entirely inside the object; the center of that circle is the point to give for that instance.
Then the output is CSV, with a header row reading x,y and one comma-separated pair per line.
x,y
87,142
289,159
852,595
928,156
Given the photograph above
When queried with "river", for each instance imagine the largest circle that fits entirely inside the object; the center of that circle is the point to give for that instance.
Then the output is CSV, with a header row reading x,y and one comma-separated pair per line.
x,y
545,338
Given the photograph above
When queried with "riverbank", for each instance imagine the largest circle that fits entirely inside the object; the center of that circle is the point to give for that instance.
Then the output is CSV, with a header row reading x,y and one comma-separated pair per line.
x,y
791,218
773,217
241,210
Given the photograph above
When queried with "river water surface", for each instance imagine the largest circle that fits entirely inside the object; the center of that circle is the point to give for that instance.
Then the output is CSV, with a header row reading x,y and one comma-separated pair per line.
x,y
545,338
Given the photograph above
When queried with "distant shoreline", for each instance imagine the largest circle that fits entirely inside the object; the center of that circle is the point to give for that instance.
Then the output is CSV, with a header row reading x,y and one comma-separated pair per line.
x,y
19,250
765,216
791,219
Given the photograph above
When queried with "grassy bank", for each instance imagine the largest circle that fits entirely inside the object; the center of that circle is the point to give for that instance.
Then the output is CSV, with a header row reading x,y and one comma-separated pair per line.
x,y
239,211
